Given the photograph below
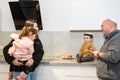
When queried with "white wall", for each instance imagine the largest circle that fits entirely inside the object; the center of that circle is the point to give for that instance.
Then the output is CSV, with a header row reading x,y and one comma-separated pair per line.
x,y
0,20
55,15
60,15
59,41
6,18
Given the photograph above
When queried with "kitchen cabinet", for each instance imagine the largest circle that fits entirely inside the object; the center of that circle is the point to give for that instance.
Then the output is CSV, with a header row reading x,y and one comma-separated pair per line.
x,y
40,72
97,12
3,76
54,72
4,68
81,73
62,72
59,71
81,78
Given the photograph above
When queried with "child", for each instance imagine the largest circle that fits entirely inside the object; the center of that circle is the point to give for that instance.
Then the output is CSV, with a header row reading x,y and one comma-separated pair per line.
x,y
84,55
22,49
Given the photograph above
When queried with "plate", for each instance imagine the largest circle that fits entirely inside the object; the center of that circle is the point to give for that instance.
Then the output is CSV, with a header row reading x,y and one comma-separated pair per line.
x,y
67,58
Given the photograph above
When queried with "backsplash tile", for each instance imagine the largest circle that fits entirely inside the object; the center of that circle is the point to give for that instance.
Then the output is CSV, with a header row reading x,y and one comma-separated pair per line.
x,y
63,41
70,42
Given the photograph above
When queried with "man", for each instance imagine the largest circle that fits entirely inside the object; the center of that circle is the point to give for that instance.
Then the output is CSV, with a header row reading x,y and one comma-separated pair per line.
x,y
108,58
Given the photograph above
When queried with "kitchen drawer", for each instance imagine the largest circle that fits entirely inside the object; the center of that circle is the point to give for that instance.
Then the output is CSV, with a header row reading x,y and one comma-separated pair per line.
x,y
40,77
4,68
3,76
81,78
40,69
89,71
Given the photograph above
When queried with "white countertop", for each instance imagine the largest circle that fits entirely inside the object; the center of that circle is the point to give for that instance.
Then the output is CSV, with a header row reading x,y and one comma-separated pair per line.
x,y
60,62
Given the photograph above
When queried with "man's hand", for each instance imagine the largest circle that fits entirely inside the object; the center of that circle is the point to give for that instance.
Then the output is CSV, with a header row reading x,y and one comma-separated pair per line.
x,y
93,53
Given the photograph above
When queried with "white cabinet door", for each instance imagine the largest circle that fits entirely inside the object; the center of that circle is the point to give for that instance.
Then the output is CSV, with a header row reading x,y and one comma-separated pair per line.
x,y
81,73
40,72
3,76
53,73
4,69
81,78
89,71
39,77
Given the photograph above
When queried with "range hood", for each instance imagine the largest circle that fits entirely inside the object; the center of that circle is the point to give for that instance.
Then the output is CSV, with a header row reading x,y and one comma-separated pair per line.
x,y
24,10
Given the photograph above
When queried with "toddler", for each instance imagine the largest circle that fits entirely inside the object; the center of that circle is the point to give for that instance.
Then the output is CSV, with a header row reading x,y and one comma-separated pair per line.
x,y
23,49
84,55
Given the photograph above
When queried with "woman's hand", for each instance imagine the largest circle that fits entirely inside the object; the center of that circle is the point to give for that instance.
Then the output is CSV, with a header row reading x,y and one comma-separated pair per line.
x,y
17,63
29,62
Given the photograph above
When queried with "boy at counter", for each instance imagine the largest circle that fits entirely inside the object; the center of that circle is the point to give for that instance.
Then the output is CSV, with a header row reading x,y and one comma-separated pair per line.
x,y
83,55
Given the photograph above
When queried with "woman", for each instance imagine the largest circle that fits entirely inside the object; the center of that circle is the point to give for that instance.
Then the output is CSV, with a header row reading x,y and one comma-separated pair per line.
x,y
35,60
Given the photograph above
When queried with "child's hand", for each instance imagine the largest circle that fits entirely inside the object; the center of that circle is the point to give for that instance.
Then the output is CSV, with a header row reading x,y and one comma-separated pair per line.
x,y
91,49
17,63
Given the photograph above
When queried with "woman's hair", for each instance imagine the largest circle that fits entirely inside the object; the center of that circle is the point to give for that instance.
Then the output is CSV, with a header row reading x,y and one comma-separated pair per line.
x,y
28,27
30,23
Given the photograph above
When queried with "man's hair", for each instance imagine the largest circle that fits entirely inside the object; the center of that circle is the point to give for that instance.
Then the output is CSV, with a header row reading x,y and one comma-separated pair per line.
x,y
109,21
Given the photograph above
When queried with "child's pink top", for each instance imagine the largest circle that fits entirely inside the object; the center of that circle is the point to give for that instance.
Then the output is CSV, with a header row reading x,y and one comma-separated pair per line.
x,y
22,49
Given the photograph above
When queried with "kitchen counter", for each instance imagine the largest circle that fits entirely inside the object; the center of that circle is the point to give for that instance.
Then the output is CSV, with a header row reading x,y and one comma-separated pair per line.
x,y
52,60
61,62
59,69
67,69
66,62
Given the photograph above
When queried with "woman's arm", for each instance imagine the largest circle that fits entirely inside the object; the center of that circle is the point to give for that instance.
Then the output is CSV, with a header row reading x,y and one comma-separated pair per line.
x,y
38,52
7,57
